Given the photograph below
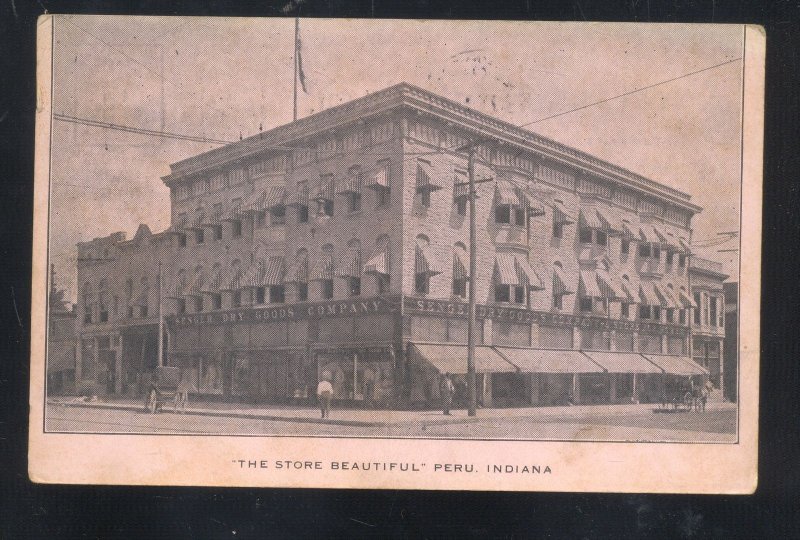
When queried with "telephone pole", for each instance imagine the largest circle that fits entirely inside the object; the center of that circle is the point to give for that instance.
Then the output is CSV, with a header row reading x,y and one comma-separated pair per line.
x,y
472,270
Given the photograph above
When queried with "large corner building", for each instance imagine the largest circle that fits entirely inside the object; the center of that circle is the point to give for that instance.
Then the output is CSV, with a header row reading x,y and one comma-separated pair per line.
x,y
337,246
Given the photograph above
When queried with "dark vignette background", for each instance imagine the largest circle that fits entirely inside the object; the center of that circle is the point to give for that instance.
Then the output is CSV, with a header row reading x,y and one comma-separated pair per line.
x,y
36,511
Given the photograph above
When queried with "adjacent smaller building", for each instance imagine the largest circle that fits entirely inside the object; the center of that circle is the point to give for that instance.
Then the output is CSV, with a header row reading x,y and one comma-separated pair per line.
x,y
730,356
61,340
708,323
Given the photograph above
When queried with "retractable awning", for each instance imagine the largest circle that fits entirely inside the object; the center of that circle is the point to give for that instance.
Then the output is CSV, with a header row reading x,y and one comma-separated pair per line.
x,y
628,230
274,272
231,280
424,263
647,294
453,358
560,214
676,365
325,190
687,300
378,263
549,360
460,265
560,281
352,184
299,197
651,234
505,193
460,185
628,288
212,285
623,362
323,268
609,285
351,264
427,179
253,275
195,287
512,269
378,179
589,219
667,300
587,284
298,273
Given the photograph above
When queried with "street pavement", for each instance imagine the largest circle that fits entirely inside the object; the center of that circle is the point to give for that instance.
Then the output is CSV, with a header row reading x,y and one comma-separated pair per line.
x,y
600,422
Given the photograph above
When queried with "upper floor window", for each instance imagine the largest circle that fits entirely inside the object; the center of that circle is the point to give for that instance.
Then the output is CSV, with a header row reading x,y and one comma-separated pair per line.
x,y
649,312
592,236
510,293
277,215
681,260
698,299
422,283
626,247
508,214
649,250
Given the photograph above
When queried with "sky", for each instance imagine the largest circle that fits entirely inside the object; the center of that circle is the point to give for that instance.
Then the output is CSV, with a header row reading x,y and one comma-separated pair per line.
x,y
223,78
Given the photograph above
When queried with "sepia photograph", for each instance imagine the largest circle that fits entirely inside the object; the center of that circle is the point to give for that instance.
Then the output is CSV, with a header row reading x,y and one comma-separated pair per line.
x,y
399,231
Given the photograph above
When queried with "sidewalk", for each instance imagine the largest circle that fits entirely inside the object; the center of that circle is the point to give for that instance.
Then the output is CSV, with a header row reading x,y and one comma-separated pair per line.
x,y
372,418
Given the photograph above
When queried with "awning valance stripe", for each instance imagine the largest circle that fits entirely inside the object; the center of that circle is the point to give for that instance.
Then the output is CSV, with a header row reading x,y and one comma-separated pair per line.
x,y
254,203
505,193
424,264
623,362
529,360
587,285
528,273
629,230
274,198
351,264
676,365
253,275
322,268
560,281
378,263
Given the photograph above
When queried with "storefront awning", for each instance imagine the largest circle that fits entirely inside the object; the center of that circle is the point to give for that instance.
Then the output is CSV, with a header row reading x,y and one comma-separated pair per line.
x,y
424,263
560,281
460,264
378,263
623,362
351,264
323,268
587,285
560,214
426,178
676,365
549,360
378,179
453,358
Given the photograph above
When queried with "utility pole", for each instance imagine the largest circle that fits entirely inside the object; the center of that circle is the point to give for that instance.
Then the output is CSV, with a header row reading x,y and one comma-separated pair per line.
x,y
472,270
160,320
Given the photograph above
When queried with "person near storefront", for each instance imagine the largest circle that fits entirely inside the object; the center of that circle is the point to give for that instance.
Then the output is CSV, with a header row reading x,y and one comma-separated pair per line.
x,y
324,394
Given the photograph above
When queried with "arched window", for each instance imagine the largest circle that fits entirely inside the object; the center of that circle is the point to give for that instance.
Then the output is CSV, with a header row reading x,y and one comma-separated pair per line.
x,y
460,270
351,267
423,269
87,303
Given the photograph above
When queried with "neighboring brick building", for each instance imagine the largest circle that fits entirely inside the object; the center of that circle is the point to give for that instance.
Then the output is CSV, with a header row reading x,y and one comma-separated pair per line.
x,y
336,246
708,321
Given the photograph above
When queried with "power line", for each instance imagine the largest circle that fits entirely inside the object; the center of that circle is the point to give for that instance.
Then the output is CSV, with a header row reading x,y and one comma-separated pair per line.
x,y
138,130
606,100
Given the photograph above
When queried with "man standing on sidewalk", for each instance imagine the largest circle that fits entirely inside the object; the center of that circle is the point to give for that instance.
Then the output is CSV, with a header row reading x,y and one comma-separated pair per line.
x,y
446,389
324,395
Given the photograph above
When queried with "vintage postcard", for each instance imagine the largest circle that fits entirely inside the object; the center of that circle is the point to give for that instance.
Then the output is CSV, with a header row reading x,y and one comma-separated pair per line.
x,y
397,254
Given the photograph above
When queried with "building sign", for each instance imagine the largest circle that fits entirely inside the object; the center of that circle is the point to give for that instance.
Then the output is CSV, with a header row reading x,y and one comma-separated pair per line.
x,y
290,312
444,308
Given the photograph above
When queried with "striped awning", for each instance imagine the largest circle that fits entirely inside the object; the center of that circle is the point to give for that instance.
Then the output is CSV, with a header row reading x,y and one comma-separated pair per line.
x,y
196,223
231,280
235,213
612,223
195,287
532,207
460,185
560,281
665,294
460,264
426,178
424,264
212,284
254,204
628,288
560,214
651,234
505,193
629,230
589,219
325,190
512,269
352,184
687,300
683,243
647,294
298,272
588,286
253,275
175,288
378,263
274,271
322,268
299,197
212,220
351,264
609,286
266,200
378,179
142,299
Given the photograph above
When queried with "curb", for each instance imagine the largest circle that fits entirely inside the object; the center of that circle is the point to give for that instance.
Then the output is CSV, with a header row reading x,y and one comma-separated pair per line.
x,y
276,418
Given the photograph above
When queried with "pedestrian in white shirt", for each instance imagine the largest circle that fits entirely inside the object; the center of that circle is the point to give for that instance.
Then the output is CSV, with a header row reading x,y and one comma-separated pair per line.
x,y
324,394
